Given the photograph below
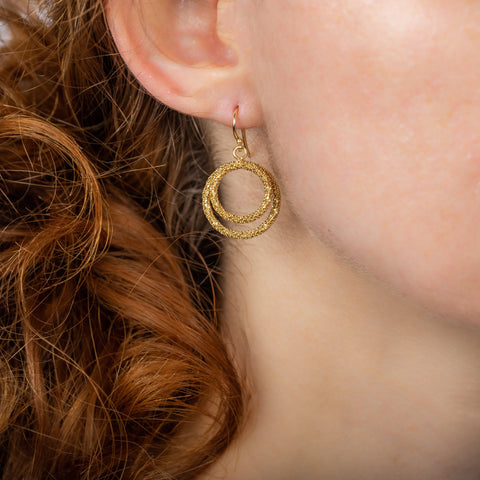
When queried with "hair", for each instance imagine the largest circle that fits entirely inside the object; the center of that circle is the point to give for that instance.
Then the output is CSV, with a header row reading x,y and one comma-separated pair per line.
x,y
112,362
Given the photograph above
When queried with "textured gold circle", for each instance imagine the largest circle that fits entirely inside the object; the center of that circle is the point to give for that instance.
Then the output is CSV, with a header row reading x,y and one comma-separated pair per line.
x,y
211,202
217,177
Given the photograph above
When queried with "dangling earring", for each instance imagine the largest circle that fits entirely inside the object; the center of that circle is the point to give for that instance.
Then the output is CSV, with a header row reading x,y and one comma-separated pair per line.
x,y
212,203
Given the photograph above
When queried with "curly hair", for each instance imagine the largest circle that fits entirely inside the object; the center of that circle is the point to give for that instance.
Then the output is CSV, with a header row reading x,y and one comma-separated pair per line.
x,y
112,362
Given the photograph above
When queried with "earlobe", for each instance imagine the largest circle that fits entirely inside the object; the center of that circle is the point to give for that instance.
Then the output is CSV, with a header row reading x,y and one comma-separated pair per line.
x,y
173,48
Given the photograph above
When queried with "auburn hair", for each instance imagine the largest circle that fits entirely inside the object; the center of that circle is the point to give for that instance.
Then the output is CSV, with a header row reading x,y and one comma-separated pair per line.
x,y
112,362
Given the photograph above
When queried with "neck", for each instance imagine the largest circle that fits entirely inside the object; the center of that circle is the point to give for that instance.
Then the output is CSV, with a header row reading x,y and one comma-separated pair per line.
x,y
349,380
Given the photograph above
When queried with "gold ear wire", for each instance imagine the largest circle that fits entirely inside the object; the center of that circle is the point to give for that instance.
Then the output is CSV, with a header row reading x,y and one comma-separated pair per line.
x,y
211,202
243,140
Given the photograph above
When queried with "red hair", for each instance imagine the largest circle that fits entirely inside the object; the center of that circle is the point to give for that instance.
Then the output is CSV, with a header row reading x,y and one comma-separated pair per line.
x,y
112,364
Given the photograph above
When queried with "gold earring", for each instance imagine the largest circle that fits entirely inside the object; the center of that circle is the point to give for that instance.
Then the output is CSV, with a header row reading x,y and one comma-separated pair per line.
x,y
211,202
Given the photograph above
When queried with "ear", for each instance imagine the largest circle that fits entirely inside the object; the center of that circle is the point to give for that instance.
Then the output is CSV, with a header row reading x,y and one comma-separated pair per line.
x,y
191,55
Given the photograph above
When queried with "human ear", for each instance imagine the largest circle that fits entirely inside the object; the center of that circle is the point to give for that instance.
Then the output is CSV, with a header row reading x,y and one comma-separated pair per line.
x,y
189,54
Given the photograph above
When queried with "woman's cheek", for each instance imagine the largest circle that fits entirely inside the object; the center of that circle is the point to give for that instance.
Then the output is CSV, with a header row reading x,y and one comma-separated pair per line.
x,y
375,127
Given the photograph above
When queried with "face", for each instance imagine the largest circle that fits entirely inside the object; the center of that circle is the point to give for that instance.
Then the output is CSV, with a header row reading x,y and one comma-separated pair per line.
x,y
373,112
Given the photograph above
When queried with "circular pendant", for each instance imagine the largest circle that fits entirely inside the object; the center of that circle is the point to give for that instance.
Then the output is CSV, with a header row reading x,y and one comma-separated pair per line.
x,y
211,202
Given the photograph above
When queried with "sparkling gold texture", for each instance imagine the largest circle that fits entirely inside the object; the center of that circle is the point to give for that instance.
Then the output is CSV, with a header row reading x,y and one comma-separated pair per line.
x,y
211,203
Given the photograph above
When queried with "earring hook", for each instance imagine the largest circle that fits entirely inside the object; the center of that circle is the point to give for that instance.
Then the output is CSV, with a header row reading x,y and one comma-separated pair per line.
x,y
240,141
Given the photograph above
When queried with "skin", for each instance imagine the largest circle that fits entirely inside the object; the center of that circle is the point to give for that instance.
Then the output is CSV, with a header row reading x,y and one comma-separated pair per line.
x,y
357,316
378,144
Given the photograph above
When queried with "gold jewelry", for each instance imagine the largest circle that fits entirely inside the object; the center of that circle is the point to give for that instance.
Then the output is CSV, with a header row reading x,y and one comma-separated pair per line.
x,y
211,202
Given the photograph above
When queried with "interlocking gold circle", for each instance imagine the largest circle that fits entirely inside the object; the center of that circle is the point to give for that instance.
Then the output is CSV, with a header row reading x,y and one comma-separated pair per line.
x,y
211,202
